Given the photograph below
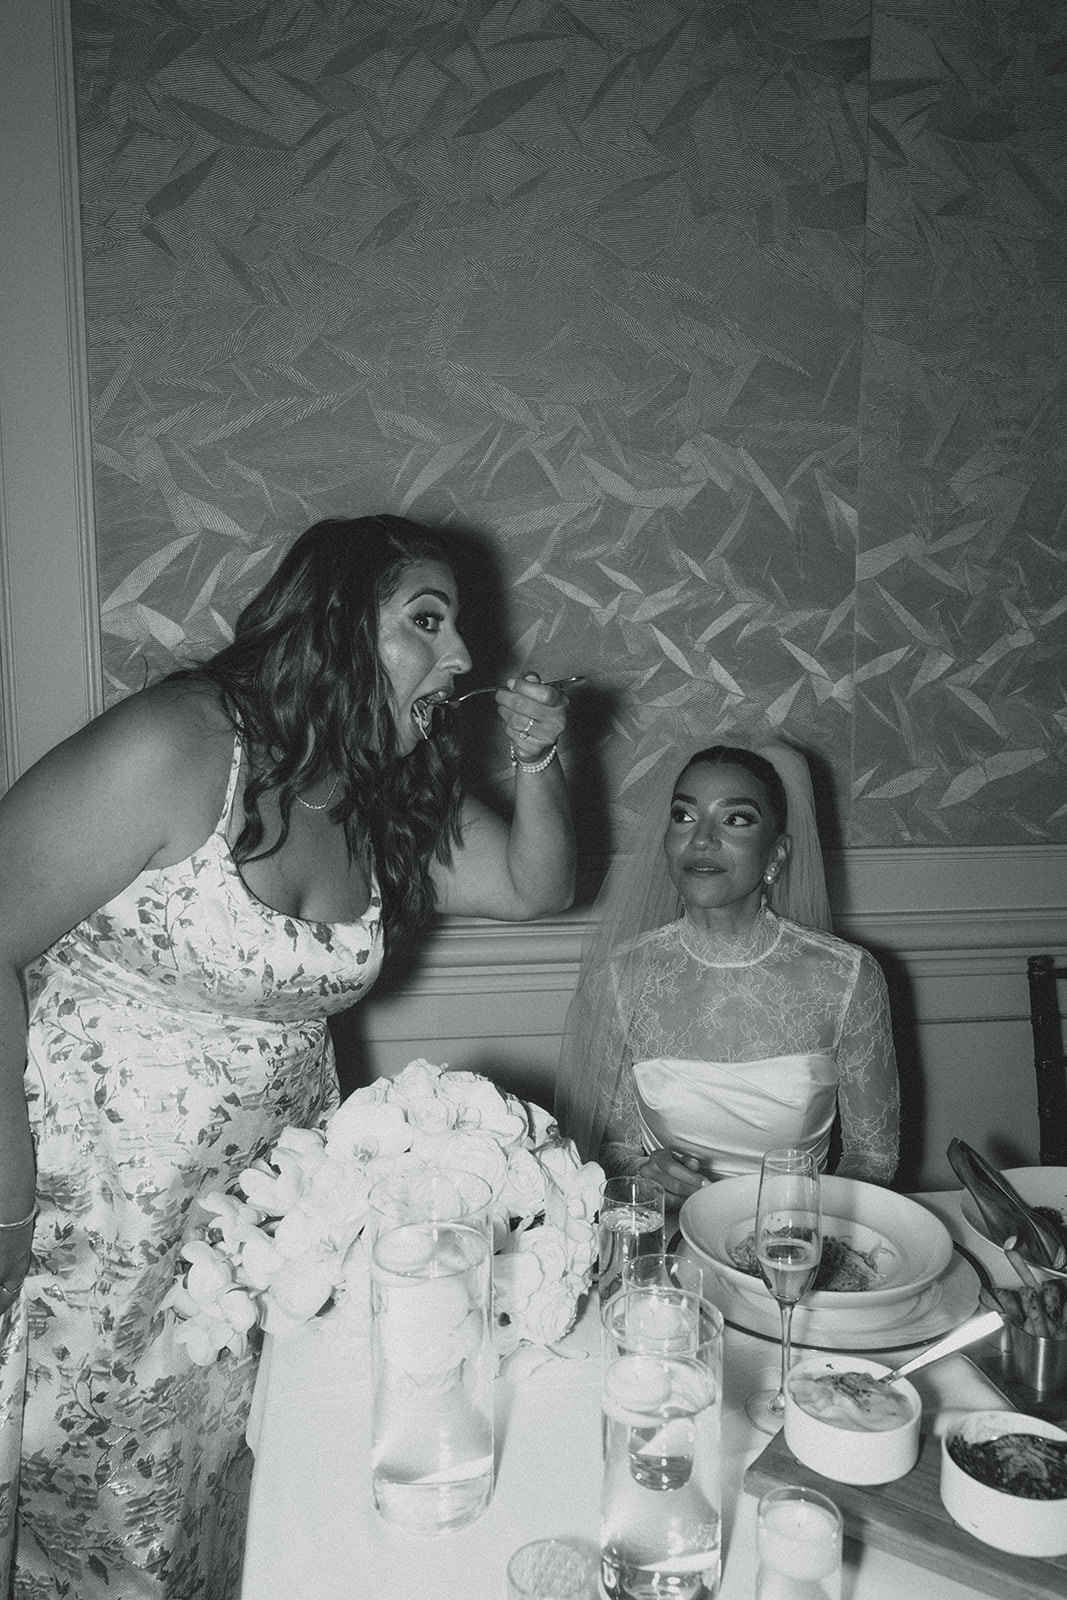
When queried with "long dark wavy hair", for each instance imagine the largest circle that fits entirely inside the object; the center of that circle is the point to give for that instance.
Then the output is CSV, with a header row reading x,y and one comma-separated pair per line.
x,y
305,688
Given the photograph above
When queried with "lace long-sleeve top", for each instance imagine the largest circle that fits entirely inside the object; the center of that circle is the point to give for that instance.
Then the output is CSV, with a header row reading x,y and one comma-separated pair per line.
x,y
738,1045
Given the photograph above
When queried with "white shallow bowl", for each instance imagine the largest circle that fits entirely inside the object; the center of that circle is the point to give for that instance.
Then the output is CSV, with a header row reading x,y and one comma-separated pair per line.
x,y
845,1454
914,1246
1005,1521
1038,1186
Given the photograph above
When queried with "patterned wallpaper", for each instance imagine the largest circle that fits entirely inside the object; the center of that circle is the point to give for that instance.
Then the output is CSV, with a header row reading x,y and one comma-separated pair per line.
x,y
961,599
729,338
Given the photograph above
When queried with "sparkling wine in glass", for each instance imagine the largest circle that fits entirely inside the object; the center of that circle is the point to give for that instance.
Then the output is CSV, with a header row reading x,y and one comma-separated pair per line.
x,y
788,1244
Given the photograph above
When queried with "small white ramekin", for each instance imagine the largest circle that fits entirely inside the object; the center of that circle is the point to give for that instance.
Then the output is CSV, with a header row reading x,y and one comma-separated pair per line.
x,y
1005,1521
850,1455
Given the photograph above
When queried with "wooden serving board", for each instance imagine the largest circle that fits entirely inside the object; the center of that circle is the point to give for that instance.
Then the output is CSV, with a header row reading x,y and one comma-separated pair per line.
x,y
907,1519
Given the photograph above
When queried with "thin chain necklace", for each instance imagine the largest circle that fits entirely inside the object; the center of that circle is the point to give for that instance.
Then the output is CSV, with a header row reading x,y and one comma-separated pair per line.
x,y
307,805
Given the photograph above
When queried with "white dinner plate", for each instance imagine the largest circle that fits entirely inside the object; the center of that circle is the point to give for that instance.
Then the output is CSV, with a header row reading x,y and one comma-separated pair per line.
x,y
894,1326
909,1245
1038,1186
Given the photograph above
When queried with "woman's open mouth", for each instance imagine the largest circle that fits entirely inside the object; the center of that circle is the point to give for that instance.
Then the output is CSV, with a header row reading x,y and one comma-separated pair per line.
x,y
422,711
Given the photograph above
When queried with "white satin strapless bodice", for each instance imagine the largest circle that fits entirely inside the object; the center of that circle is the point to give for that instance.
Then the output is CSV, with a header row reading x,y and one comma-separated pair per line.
x,y
729,1114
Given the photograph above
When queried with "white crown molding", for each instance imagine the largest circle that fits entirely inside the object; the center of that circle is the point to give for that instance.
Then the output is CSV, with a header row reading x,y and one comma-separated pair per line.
x,y
50,672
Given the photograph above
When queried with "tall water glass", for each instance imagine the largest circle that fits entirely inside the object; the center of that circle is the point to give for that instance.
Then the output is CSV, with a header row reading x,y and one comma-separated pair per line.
x,y
660,1532
631,1225
432,1359
798,1546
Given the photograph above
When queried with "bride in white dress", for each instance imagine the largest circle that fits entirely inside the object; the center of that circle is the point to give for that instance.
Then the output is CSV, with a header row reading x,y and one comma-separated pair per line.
x,y
698,1041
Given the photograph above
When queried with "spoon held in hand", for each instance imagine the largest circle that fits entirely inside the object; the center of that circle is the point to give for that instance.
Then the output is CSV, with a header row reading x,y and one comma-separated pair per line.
x,y
491,688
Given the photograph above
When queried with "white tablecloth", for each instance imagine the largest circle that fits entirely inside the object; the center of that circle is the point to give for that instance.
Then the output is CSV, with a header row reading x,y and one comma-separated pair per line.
x,y
314,1532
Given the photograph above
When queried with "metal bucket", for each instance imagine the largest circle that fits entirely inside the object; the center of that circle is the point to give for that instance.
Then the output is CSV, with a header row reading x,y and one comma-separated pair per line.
x,y
1039,1362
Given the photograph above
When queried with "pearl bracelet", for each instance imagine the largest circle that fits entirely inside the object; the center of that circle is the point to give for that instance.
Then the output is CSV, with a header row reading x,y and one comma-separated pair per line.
x,y
23,1223
533,766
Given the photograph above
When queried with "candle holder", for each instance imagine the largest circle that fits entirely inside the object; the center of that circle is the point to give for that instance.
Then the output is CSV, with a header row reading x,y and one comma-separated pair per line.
x,y
798,1546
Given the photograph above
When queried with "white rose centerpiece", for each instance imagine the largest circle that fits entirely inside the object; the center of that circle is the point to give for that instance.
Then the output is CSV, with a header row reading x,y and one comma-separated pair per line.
x,y
287,1242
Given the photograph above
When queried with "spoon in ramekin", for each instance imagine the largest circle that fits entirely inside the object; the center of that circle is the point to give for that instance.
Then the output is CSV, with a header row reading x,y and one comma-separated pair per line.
x,y
979,1326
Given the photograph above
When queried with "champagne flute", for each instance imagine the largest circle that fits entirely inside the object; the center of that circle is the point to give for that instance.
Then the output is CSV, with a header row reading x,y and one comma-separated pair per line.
x,y
788,1245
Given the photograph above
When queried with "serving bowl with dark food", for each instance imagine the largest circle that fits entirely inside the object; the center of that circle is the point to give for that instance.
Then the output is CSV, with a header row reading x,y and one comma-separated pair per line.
x,y
878,1247
1043,1189
1004,1479
842,1420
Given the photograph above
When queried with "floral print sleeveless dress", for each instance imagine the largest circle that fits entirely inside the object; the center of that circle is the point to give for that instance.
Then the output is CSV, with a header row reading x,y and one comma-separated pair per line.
x,y
173,1035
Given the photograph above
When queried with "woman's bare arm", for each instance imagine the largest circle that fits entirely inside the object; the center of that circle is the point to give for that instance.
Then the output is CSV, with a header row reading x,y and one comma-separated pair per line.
x,y
133,789
523,868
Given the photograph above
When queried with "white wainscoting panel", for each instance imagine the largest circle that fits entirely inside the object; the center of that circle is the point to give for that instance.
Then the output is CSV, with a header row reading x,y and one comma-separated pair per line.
x,y
952,928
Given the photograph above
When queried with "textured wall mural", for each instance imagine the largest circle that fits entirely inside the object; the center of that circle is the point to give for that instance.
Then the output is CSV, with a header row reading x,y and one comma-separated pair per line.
x,y
730,336
961,603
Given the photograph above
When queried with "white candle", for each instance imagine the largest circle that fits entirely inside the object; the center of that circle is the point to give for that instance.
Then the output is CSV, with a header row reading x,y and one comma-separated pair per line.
x,y
799,1540
661,1324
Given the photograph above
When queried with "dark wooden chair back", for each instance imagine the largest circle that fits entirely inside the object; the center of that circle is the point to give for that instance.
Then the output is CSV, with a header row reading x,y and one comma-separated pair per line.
x,y
1044,973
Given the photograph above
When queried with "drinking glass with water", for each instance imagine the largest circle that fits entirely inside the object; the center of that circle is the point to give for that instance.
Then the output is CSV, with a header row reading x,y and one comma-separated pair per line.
x,y
660,1531
631,1225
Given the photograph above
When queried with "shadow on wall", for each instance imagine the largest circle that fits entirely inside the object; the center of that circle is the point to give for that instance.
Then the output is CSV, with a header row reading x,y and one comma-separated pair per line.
x,y
938,1101
909,1070
832,827
527,1081
355,1065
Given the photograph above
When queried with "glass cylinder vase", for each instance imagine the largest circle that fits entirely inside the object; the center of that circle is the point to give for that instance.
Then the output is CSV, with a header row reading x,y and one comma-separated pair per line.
x,y
432,1358
660,1528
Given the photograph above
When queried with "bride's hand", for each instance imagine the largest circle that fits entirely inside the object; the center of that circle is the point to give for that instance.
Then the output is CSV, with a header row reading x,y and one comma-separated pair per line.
x,y
680,1175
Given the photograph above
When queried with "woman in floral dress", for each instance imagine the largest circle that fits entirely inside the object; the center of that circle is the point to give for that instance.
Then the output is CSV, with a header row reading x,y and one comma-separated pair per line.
x,y
188,888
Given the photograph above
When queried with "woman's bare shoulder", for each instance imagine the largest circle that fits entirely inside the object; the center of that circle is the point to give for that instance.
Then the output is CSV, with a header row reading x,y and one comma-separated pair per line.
x,y
185,740
167,726
176,708
142,785
164,751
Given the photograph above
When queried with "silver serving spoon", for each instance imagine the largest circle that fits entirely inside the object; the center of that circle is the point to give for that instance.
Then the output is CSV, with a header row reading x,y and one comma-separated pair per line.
x,y
968,1332
491,688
